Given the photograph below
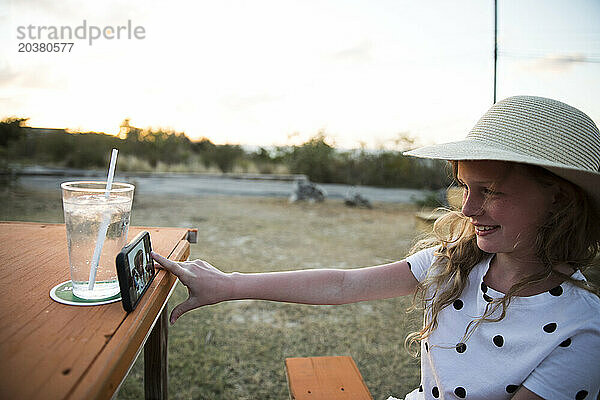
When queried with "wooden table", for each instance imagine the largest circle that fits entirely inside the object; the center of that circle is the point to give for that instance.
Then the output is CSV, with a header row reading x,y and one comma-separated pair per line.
x,y
54,351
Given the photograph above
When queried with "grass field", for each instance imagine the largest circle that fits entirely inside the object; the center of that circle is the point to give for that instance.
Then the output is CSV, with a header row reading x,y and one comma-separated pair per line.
x,y
236,350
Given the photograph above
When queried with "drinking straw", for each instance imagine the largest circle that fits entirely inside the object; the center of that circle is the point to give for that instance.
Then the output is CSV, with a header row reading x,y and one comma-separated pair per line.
x,y
105,222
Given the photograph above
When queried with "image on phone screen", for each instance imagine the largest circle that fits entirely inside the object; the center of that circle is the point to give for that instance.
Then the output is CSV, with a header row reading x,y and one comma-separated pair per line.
x,y
141,268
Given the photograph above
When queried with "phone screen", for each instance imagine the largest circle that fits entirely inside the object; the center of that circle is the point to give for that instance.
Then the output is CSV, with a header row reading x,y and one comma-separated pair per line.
x,y
135,268
141,269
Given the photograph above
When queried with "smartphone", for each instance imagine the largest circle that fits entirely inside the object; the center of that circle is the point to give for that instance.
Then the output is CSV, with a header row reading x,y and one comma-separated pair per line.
x,y
135,269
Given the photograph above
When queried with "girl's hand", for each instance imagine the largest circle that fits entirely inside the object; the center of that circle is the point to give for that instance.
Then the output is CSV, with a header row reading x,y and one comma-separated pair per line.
x,y
205,283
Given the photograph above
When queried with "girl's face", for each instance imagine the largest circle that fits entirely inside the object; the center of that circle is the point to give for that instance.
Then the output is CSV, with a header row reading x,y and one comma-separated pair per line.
x,y
505,204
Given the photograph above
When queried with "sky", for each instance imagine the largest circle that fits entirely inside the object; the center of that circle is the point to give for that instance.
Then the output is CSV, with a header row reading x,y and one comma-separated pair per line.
x,y
277,72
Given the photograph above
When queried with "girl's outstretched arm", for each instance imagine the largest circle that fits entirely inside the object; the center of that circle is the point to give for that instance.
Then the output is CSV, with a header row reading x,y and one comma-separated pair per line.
x,y
208,285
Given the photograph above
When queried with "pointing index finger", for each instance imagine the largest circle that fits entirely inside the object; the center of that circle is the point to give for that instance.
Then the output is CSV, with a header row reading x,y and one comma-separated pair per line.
x,y
167,264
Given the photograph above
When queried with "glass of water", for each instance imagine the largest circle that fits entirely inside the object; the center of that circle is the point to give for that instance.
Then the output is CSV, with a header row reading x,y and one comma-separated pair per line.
x,y
88,214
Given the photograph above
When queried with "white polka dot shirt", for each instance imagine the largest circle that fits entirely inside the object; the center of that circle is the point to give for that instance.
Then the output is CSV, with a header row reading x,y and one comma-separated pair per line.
x,y
550,343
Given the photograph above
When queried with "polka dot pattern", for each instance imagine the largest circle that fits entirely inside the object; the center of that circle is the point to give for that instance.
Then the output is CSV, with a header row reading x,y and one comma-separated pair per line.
x,y
582,394
557,291
460,392
498,340
566,343
458,304
501,341
511,388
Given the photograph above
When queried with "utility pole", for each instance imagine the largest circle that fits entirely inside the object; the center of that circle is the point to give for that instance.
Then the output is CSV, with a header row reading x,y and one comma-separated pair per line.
x,y
495,45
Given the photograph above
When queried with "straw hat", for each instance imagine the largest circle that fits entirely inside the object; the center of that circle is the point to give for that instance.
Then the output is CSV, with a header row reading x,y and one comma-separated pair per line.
x,y
532,130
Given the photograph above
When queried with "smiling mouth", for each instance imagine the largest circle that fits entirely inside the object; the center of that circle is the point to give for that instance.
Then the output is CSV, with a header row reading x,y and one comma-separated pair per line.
x,y
485,229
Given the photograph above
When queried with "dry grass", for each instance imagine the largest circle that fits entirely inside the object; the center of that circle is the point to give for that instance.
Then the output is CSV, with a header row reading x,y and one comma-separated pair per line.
x,y
236,350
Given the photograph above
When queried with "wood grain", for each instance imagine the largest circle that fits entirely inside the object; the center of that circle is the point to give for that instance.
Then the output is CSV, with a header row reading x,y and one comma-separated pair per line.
x,y
325,378
55,351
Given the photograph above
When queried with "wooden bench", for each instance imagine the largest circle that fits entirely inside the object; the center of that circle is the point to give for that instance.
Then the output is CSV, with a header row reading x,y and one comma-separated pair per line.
x,y
326,378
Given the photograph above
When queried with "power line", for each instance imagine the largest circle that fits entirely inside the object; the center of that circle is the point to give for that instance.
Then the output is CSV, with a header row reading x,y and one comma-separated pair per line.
x,y
573,57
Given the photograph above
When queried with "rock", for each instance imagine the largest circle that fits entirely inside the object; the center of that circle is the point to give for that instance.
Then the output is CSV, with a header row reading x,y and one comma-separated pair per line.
x,y
306,190
355,199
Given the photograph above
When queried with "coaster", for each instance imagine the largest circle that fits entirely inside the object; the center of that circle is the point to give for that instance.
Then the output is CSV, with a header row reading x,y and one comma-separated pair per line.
x,y
63,293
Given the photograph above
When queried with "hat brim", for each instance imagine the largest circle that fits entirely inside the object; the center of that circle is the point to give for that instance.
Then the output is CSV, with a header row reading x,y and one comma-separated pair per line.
x,y
465,150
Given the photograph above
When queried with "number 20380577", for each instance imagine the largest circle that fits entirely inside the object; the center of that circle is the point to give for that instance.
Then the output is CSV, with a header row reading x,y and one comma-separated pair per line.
x,y
25,47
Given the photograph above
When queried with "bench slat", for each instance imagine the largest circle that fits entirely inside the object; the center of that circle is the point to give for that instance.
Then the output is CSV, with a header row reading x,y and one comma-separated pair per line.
x,y
331,378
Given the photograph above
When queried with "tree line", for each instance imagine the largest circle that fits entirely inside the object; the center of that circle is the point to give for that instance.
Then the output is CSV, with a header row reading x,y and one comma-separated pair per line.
x,y
318,160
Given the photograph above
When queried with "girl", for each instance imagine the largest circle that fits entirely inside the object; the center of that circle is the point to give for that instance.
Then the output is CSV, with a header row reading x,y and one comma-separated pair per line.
x,y
508,313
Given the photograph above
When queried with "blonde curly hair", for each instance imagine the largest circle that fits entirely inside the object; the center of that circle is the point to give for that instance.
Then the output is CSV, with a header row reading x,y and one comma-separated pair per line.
x,y
571,236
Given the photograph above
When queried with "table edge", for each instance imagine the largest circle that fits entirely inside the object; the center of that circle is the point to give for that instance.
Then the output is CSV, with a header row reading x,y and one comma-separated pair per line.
x,y
104,376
